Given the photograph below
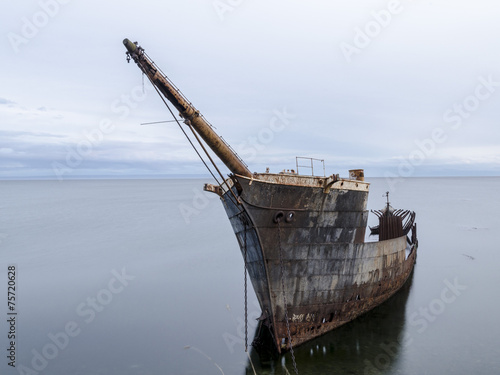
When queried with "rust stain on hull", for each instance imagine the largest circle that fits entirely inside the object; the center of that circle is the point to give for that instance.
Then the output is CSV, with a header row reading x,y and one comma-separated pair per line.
x,y
325,317
330,275
303,236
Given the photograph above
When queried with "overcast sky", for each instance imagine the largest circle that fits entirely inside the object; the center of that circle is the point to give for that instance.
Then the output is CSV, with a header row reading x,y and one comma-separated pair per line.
x,y
407,88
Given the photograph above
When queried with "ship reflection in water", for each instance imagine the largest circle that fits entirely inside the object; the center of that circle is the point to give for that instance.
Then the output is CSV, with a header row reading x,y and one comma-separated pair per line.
x,y
370,344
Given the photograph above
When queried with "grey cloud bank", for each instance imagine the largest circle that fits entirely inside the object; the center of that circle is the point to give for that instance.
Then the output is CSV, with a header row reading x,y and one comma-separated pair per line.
x,y
370,85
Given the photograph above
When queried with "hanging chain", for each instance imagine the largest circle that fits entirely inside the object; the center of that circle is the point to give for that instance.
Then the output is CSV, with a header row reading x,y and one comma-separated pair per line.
x,y
246,298
284,299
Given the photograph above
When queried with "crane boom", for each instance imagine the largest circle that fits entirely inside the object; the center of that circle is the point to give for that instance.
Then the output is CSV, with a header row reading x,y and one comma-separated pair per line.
x,y
187,111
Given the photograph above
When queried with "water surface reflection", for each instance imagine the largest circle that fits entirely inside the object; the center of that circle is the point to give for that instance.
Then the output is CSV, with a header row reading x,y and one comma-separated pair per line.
x,y
368,345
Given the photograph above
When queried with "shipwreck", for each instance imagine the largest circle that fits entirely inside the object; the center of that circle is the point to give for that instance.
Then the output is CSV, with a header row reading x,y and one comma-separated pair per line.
x,y
302,237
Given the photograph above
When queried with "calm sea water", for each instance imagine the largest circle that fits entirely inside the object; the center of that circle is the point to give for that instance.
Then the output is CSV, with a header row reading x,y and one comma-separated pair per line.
x,y
145,277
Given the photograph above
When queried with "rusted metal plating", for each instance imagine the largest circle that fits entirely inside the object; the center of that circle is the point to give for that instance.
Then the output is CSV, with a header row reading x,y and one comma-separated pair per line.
x,y
302,237
331,275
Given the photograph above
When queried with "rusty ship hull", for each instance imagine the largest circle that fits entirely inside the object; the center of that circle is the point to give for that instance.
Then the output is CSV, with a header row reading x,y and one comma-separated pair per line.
x,y
315,258
302,237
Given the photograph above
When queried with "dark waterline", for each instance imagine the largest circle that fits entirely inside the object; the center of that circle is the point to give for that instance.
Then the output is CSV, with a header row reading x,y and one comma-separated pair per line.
x,y
178,308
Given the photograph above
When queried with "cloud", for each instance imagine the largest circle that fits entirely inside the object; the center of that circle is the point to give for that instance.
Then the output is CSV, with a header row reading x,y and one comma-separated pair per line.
x,y
39,154
6,101
365,113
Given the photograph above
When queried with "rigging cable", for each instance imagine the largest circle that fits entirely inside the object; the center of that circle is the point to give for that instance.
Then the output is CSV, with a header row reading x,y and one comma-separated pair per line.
x,y
188,123
233,198
180,126
236,202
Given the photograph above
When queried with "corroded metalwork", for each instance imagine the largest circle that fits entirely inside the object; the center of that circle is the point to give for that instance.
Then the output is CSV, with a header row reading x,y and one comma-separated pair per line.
x,y
303,237
331,275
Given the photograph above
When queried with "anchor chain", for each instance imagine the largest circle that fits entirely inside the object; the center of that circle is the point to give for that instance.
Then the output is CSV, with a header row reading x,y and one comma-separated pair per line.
x,y
246,295
284,298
